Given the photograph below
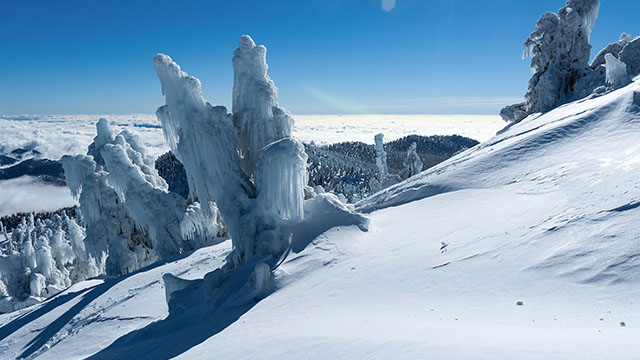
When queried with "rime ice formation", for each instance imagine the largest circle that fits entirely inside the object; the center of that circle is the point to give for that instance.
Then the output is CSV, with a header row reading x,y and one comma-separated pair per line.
x,y
131,218
630,55
381,156
40,259
257,117
203,138
616,71
412,164
559,49
246,163
275,167
385,179
613,48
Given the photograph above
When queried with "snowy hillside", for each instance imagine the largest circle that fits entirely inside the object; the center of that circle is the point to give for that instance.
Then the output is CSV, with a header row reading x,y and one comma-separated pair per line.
x,y
525,246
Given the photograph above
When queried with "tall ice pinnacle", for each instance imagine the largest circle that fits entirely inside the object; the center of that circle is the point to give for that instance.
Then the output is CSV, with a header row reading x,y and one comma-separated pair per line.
x,y
257,117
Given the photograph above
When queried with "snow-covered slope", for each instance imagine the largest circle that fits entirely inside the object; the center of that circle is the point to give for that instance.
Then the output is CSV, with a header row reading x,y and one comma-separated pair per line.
x,y
525,246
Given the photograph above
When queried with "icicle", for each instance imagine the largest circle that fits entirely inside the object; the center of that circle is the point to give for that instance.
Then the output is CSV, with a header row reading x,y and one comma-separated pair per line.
x,y
616,71
281,176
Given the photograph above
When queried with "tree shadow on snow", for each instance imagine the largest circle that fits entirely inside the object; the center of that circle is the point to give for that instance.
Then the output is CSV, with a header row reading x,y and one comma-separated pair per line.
x,y
88,296
198,311
33,315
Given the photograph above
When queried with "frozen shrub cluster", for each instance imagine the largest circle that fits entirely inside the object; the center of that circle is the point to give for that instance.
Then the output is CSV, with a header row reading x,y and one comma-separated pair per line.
x,y
131,218
40,259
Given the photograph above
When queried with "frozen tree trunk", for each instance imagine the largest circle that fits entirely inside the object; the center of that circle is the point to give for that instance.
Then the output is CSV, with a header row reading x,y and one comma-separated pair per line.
x,y
381,157
246,163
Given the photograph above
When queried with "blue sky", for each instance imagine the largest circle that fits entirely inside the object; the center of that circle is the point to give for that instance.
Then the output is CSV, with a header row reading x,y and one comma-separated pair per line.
x,y
325,56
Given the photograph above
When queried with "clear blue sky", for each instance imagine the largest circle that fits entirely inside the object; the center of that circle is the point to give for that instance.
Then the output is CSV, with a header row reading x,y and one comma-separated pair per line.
x,y
325,56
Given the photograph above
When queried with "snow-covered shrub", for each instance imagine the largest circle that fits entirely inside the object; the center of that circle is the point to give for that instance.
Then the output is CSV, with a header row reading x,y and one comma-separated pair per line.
x,y
246,163
41,259
131,218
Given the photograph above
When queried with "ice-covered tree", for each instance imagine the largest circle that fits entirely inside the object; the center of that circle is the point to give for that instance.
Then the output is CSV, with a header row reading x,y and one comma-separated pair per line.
x,y
381,156
257,117
630,55
131,218
559,49
40,260
384,178
246,163
412,164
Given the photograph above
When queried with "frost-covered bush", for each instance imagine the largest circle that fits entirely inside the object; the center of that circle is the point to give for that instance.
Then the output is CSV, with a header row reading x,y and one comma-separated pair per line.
x,y
246,162
132,220
40,259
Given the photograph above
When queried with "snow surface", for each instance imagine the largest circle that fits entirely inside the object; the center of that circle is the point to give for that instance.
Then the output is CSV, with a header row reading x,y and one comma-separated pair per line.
x,y
523,247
